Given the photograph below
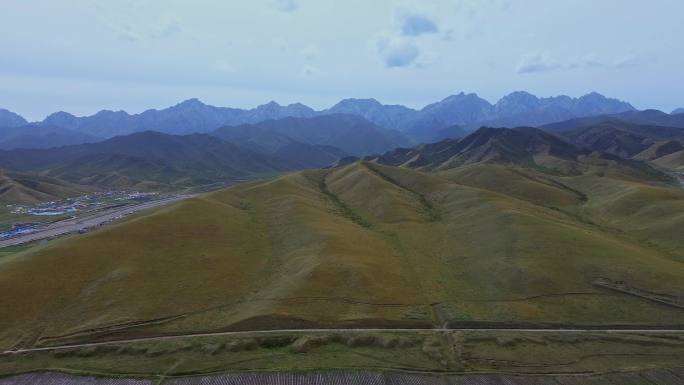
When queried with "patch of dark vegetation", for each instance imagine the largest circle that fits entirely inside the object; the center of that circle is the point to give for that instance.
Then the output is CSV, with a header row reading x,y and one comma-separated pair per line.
x,y
430,210
582,197
308,343
341,208
622,287
275,342
279,322
652,376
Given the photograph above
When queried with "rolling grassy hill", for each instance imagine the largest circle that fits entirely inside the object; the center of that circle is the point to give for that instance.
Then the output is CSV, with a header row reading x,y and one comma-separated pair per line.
x,y
27,189
668,154
673,161
367,245
147,159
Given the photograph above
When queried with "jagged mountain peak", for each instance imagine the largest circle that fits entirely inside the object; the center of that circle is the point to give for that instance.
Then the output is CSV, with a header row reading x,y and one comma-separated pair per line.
x,y
189,105
11,119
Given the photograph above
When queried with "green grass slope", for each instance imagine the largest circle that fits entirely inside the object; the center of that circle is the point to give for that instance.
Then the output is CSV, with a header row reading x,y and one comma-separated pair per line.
x,y
360,245
28,189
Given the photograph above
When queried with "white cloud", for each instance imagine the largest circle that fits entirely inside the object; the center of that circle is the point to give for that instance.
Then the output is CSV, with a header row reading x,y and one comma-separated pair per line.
x,y
397,52
309,70
543,62
286,5
627,61
223,66
416,25
539,62
310,52
167,29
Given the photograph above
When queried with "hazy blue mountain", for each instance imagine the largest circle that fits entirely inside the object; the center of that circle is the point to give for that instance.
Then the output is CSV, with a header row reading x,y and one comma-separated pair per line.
x,y
190,116
298,155
435,133
461,109
10,119
524,109
618,137
513,110
465,110
516,103
645,117
677,111
273,110
41,136
61,119
142,159
350,133
487,144
387,116
526,146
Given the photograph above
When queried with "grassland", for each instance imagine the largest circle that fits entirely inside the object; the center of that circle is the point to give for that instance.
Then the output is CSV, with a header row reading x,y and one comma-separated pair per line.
x,y
421,352
27,189
359,246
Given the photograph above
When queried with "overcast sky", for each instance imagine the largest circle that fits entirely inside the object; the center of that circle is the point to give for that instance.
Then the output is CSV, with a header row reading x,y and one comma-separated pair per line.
x,y
81,56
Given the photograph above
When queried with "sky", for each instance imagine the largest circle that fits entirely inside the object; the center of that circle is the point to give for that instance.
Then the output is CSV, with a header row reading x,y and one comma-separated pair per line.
x,y
82,56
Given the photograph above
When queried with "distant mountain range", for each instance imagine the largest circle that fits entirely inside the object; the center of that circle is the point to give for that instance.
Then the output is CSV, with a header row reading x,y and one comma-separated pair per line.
x,y
36,135
677,111
523,147
190,116
144,160
193,144
10,119
617,137
451,117
645,117
350,133
153,159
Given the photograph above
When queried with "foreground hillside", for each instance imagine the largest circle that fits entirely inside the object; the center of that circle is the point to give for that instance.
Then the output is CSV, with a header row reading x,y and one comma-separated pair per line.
x,y
367,245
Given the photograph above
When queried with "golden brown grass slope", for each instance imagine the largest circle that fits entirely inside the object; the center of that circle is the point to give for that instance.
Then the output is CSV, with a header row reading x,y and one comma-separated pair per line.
x,y
28,189
363,244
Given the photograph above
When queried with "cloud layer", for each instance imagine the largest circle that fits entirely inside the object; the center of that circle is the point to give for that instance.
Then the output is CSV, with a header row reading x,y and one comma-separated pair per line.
x,y
286,5
416,25
397,52
135,54
544,62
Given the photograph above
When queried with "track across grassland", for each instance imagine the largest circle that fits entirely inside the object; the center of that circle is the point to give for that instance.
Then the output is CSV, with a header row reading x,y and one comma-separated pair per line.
x,y
257,333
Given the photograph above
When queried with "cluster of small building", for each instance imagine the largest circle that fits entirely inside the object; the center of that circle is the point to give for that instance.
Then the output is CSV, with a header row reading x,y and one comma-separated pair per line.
x,y
19,229
73,205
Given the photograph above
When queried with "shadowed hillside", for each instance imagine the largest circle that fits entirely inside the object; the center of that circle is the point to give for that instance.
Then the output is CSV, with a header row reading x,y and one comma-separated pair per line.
x,y
352,134
143,160
18,188
618,138
522,146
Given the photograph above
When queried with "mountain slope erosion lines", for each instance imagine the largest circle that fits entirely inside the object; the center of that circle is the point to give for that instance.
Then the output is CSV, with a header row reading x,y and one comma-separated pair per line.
x,y
283,253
